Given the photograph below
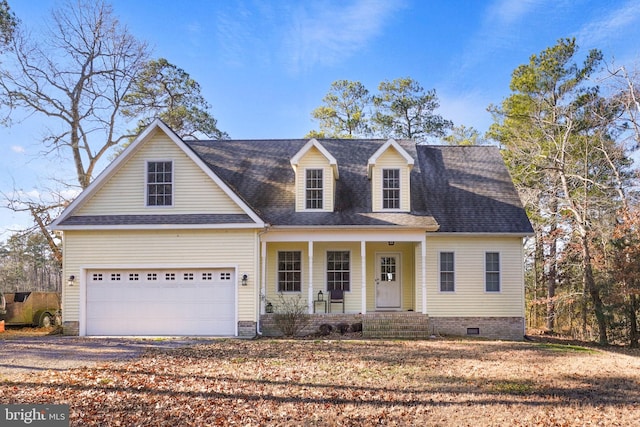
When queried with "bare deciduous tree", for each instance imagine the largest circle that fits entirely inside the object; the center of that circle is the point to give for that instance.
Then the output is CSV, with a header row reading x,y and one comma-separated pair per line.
x,y
76,74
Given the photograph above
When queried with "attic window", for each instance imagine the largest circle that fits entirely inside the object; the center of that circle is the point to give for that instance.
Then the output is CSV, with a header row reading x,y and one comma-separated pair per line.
x,y
159,183
313,189
391,188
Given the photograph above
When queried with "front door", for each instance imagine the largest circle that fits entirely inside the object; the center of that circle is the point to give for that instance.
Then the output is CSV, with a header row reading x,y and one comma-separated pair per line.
x,y
388,284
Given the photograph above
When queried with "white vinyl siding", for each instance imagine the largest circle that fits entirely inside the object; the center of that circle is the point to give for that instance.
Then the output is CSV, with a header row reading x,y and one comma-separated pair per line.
x,y
125,192
391,160
198,248
314,160
470,297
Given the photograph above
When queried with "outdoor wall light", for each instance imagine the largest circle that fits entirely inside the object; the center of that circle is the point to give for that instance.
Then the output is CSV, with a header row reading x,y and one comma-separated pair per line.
x,y
268,308
72,278
245,277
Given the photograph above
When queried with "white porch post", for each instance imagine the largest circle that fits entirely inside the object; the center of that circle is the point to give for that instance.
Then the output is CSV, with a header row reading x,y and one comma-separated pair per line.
x,y
310,278
423,247
263,276
363,284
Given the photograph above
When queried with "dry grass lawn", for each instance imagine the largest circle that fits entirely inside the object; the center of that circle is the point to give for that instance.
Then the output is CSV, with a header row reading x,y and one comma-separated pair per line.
x,y
341,382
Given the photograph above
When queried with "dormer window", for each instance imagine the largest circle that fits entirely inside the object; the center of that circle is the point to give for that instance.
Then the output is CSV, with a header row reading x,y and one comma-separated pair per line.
x,y
389,170
314,189
160,183
316,173
391,188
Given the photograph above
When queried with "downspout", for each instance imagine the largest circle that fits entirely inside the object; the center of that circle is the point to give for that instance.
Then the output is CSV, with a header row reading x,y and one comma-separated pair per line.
x,y
363,281
310,294
261,290
424,274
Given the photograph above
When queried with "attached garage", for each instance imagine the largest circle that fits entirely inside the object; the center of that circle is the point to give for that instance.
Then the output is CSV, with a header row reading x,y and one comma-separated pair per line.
x,y
166,302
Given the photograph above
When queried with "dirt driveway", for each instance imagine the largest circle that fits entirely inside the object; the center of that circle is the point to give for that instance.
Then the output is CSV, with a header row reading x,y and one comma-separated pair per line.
x,y
27,354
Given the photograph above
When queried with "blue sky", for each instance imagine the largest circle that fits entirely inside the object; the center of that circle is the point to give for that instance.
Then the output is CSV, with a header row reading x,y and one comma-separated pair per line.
x,y
265,65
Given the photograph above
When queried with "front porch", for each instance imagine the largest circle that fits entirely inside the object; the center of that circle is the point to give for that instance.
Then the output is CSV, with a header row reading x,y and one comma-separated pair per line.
x,y
372,325
373,272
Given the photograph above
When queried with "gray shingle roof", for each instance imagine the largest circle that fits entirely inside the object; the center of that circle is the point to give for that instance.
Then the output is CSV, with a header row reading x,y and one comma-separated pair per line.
x,y
461,189
453,189
181,219
469,189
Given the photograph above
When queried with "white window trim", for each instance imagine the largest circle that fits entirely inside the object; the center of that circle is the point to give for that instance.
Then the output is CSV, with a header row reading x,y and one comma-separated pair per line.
x,y
454,273
146,183
323,189
277,269
326,268
499,272
400,183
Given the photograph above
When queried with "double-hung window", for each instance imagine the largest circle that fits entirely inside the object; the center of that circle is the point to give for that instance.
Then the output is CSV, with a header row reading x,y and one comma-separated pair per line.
x,y
492,272
159,183
289,271
391,188
338,270
447,278
314,189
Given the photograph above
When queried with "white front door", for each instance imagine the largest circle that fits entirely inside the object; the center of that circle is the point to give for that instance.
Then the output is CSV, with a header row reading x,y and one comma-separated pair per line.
x,y
388,283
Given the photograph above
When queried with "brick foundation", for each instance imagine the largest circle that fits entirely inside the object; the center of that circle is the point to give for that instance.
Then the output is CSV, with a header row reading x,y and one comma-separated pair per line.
x,y
71,328
502,328
395,325
269,329
410,325
246,329
386,325
374,325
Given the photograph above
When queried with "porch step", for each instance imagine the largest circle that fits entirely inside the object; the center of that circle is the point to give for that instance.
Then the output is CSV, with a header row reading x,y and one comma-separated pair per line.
x,y
395,325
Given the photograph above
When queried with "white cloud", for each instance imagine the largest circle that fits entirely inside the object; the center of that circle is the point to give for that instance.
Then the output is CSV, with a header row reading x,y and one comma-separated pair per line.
x,y
325,33
69,194
17,149
301,35
508,12
611,25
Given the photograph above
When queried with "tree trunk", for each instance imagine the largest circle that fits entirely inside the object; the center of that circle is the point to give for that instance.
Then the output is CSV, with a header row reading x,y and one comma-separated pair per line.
x,y
538,271
593,291
632,308
551,279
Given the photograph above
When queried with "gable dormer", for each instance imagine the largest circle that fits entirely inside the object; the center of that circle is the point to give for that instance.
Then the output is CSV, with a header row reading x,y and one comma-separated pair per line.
x,y
316,172
389,170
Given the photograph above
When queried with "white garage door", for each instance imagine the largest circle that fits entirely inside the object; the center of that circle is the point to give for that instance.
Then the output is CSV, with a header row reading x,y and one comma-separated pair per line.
x,y
161,302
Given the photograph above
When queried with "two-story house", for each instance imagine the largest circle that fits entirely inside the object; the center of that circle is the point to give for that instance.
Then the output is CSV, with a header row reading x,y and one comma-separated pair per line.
x,y
199,237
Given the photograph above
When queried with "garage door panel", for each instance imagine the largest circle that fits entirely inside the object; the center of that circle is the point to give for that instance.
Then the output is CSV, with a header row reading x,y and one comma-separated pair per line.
x,y
189,302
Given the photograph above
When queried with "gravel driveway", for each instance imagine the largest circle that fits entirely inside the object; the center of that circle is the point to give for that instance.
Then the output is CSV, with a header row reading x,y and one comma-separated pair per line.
x,y
32,354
